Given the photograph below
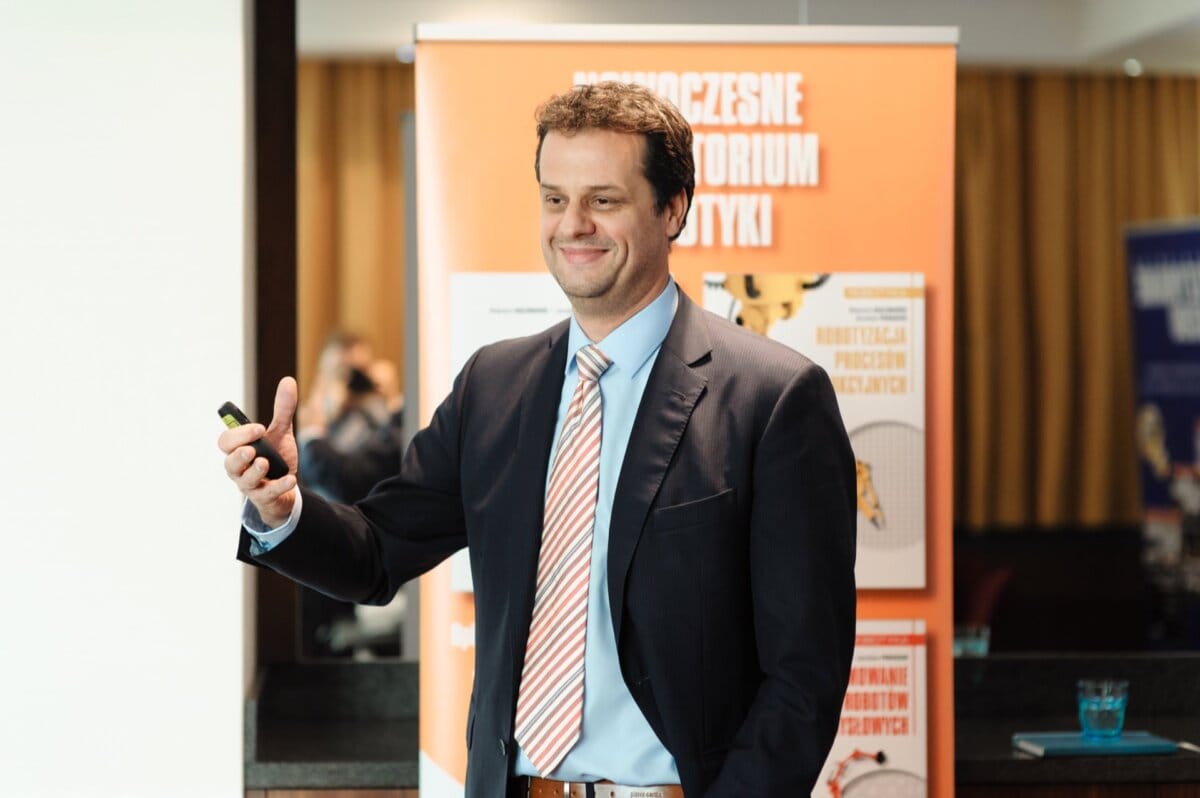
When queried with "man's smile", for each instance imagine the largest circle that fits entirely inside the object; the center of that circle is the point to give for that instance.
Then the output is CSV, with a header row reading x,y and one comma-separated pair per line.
x,y
581,256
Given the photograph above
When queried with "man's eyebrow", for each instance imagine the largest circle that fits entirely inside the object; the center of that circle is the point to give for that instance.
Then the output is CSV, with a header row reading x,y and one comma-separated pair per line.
x,y
601,187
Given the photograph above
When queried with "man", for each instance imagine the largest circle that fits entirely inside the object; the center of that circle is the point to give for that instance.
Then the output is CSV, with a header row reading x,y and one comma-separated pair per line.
x,y
659,507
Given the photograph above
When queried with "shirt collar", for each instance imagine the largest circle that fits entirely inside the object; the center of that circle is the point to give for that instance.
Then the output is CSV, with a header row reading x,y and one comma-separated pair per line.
x,y
630,345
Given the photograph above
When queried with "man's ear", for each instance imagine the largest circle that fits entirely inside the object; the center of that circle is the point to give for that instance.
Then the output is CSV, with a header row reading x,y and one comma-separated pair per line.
x,y
675,211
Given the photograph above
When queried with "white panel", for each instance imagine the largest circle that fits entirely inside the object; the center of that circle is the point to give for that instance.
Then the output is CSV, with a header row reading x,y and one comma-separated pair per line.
x,y
121,317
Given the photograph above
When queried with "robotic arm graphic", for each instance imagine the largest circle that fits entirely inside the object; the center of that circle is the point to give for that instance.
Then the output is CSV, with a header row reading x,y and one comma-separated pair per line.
x,y
768,298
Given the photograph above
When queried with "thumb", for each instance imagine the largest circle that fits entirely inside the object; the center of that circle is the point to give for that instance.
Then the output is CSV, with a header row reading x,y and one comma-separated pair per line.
x,y
286,397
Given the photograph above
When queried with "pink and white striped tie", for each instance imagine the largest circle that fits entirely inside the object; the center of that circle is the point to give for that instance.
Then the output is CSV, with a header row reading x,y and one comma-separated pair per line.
x,y
550,701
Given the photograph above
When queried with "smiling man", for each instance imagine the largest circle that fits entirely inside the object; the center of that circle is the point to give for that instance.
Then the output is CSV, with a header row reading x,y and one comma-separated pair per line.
x,y
659,507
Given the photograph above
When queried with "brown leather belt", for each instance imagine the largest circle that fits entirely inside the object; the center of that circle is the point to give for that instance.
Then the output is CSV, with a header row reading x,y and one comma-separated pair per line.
x,y
549,788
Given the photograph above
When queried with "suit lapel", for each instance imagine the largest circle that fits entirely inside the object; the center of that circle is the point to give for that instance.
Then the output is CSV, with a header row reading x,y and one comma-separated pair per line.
x,y
674,387
539,412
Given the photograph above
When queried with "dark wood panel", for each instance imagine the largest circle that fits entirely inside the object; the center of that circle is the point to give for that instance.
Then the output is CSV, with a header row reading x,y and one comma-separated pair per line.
x,y
274,209
1177,791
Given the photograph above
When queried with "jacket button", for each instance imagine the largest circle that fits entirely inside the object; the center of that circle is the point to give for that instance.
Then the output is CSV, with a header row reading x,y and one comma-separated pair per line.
x,y
502,750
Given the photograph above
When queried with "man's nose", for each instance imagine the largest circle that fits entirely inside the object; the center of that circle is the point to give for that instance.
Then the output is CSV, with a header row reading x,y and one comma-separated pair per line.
x,y
576,221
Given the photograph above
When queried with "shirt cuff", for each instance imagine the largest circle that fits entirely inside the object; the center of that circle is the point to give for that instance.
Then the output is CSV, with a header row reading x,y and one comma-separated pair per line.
x,y
266,539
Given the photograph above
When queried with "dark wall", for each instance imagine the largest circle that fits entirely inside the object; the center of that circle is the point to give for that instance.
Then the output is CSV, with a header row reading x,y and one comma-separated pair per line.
x,y
1054,589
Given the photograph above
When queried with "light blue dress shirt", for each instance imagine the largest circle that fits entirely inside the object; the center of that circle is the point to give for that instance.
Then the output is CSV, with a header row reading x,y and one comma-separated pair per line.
x,y
616,742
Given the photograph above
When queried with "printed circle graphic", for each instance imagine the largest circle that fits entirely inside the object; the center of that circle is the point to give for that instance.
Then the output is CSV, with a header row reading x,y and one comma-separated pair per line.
x,y
886,784
891,466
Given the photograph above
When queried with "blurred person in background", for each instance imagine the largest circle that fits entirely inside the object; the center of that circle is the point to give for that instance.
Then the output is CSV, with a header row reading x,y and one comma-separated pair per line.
x,y
351,436
343,406
343,459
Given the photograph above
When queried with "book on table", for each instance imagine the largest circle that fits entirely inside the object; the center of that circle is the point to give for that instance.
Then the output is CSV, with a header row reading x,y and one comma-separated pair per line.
x,y
1075,744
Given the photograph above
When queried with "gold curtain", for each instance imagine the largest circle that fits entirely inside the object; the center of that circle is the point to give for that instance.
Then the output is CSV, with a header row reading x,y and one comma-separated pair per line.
x,y
350,206
1050,167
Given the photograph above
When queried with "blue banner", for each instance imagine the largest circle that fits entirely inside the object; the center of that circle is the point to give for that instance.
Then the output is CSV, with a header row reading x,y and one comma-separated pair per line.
x,y
1164,283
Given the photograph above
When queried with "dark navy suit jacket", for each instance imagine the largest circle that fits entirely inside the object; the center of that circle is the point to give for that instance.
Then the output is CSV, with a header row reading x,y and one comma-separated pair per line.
x,y
731,552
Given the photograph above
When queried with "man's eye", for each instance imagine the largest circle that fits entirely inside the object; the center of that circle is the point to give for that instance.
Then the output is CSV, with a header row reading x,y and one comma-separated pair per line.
x,y
550,199
603,202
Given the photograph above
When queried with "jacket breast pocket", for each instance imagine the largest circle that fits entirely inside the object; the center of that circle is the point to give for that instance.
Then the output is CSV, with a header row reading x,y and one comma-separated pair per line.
x,y
709,510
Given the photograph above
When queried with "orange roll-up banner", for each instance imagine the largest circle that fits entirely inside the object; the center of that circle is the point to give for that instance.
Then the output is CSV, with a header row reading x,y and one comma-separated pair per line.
x,y
820,150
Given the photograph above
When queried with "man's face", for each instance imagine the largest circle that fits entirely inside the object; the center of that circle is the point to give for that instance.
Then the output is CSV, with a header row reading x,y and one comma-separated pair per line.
x,y
601,236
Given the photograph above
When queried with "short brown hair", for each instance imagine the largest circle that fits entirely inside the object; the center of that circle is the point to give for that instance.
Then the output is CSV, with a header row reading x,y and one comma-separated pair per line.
x,y
628,108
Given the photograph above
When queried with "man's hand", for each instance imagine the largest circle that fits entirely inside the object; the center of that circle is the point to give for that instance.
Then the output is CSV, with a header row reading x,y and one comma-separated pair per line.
x,y
272,498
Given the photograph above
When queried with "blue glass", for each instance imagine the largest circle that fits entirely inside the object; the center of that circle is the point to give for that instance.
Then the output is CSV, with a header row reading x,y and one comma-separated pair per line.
x,y
1102,704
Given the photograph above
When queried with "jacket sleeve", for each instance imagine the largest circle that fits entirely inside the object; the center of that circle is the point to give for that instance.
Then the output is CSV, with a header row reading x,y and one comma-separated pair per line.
x,y
802,550
408,523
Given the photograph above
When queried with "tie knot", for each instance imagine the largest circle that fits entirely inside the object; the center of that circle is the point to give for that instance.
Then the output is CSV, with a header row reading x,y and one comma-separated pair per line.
x,y
591,362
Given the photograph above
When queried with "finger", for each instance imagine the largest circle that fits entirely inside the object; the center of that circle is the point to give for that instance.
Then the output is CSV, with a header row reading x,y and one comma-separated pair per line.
x,y
253,476
231,439
271,490
237,461
286,397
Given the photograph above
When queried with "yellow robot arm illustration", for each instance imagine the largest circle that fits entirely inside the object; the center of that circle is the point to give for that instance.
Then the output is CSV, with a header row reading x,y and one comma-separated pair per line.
x,y
768,298
868,499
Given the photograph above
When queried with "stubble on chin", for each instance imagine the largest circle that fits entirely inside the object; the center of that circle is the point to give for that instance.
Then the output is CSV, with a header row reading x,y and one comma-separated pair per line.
x,y
585,290
579,286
